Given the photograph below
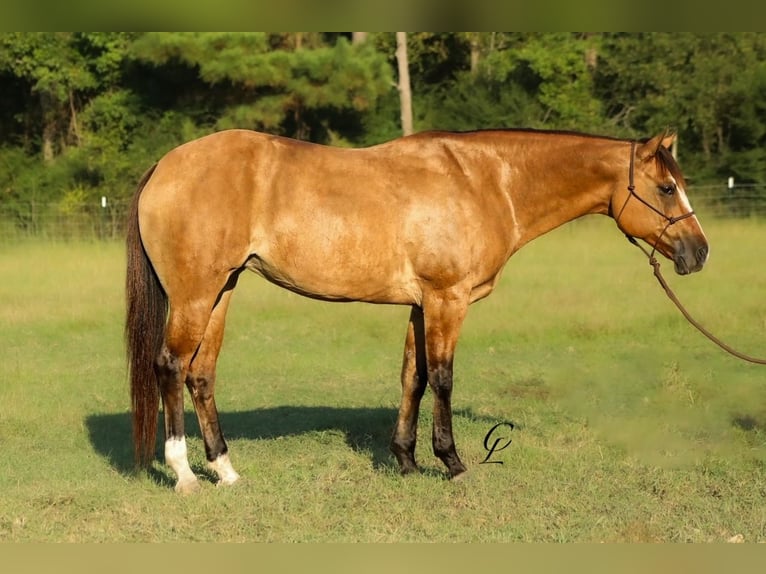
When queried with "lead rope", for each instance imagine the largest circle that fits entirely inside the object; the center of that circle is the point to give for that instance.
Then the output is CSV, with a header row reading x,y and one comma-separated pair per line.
x,y
664,284
672,296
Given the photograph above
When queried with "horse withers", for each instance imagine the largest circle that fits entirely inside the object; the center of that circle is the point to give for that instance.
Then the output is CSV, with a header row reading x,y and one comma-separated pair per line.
x,y
427,221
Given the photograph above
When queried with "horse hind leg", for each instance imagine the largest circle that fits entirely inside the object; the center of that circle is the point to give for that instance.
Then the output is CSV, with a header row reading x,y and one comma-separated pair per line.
x,y
171,367
200,381
176,365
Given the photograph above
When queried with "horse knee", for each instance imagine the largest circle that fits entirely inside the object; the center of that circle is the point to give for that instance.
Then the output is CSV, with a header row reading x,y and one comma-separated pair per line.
x,y
443,443
440,379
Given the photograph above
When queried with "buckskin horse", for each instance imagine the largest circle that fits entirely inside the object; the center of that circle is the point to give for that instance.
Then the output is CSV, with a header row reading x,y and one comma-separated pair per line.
x,y
427,221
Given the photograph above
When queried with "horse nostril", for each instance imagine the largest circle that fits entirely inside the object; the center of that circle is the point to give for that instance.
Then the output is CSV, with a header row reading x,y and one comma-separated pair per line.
x,y
702,253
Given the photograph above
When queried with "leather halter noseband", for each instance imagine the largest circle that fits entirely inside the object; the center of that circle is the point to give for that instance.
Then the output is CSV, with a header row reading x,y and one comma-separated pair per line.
x,y
632,189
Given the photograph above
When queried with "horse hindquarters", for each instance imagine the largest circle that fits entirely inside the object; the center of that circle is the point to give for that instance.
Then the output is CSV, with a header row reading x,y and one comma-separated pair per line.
x,y
197,287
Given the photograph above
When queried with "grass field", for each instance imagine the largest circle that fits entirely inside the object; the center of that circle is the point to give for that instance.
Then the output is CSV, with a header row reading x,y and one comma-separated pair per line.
x,y
629,425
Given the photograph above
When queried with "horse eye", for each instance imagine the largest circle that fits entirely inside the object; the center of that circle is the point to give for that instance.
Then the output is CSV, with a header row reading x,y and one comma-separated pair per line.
x,y
668,188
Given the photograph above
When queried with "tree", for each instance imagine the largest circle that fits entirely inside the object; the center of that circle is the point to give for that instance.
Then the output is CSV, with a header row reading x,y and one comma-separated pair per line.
x,y
83,114
405,93
516,80
274,82
54,72
698,84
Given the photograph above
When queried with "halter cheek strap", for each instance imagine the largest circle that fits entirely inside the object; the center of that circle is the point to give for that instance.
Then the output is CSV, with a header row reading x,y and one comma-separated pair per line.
x,y
632,193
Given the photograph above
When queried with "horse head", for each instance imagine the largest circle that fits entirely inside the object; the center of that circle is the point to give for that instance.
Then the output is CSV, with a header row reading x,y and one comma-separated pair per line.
x,y
654,207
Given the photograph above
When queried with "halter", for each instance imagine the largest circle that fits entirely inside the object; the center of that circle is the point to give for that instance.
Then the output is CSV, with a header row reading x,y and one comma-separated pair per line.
x,y
656,266
632,189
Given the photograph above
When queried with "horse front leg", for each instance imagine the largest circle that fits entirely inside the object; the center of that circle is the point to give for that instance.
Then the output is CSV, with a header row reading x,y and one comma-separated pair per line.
x,y
440,379
414,379
444,315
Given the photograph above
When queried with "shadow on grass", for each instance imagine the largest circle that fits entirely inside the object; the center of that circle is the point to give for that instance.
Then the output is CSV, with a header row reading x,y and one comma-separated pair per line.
x,y
749,422
367,431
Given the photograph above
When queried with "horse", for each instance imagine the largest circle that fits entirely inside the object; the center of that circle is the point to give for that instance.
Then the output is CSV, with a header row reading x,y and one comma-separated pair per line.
x,y
427,221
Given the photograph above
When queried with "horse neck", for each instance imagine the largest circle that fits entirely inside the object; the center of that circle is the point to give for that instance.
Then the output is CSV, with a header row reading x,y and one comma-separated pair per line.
x,y
557,178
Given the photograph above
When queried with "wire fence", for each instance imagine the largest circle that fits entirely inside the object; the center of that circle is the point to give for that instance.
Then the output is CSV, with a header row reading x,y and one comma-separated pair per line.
x,y
62,221
105,219
729,200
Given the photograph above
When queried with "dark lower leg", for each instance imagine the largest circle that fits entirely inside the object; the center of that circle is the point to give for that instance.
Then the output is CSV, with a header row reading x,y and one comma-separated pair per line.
x,y
201,389
414,376
444,315
440,379
169,376
404,438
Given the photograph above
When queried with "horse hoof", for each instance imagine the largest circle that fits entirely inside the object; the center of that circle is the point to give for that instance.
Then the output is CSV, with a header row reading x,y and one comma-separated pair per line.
x,y
229,480
187,487
460,475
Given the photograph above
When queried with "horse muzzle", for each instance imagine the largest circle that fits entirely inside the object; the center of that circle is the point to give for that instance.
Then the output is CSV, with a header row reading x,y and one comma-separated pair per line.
x,y
690,257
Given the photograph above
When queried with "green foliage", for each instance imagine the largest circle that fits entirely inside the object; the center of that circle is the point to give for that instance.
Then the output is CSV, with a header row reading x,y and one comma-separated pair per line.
x,y
564,80
90,111
280,88
706,86
521,84
19,173
469,103
50,62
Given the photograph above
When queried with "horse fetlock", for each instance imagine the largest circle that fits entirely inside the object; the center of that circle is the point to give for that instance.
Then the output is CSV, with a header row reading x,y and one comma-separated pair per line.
x,y
454,465
176,458
444,449
225,471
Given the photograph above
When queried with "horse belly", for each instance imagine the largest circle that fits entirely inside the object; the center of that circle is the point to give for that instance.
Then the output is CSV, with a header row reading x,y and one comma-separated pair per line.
x,y
341,267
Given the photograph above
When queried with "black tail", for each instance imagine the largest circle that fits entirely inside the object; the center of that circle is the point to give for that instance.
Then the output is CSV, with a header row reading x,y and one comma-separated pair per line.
x,y
146,314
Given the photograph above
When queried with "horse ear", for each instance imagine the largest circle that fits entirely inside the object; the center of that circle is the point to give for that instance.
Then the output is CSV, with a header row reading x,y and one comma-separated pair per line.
x,y
668,138
649,149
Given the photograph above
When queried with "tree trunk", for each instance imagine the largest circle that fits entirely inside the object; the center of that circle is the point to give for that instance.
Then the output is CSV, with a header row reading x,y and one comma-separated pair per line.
x,y
74,126
475,52
591,57
405,92
358,37
49,126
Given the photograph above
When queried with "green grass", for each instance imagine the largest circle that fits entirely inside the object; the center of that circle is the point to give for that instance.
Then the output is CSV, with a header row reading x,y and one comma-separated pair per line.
x,y
630,426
